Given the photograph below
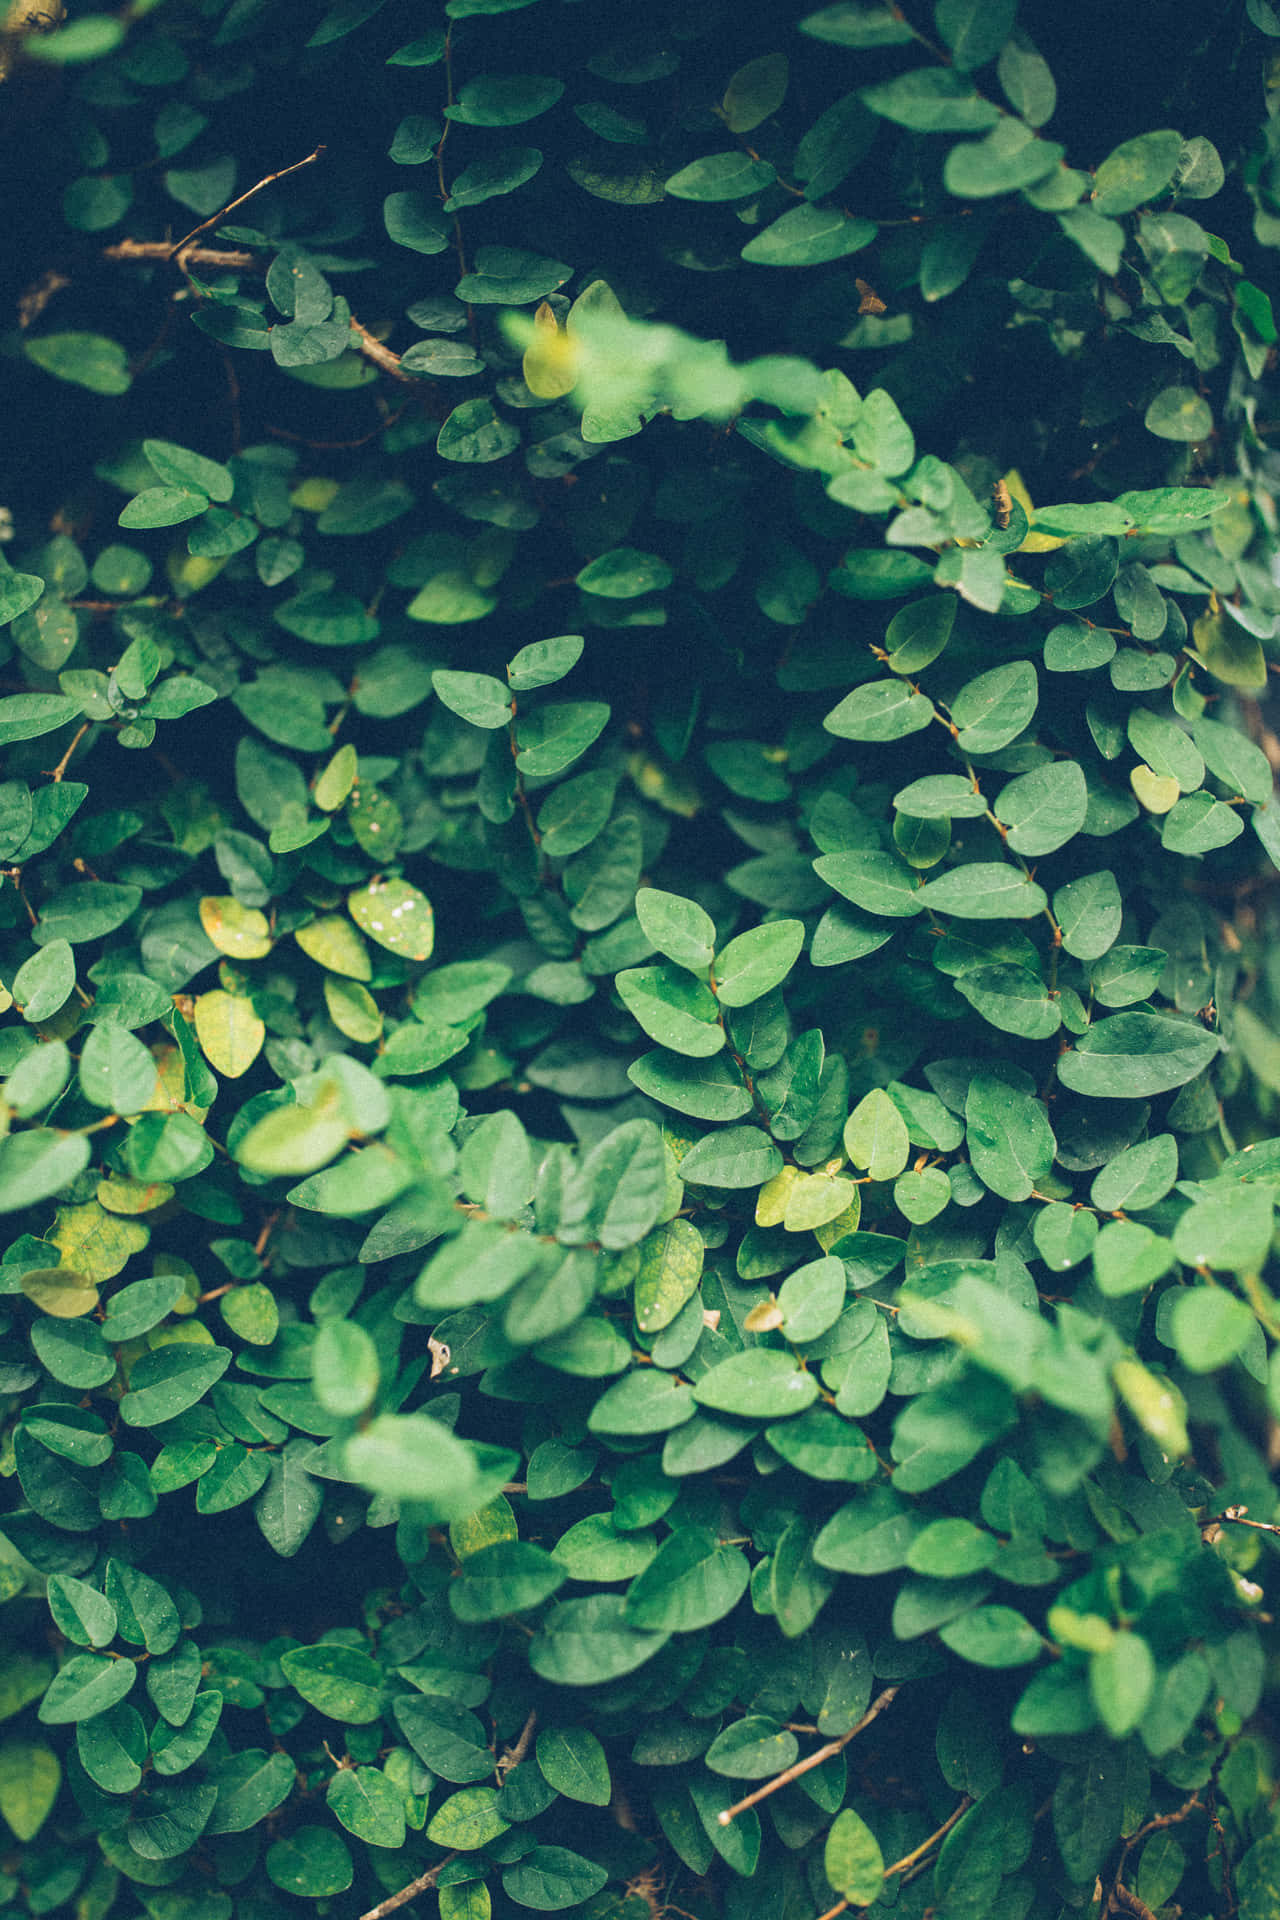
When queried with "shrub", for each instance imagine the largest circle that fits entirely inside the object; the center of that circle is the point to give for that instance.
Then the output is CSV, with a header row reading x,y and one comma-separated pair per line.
x,y
639,1256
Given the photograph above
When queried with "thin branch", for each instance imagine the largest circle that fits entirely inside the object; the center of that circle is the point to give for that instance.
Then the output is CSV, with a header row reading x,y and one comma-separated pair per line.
x,y
423,1884
216,219
61,768
228,258
516,1753
381,356
910,1859
815,1759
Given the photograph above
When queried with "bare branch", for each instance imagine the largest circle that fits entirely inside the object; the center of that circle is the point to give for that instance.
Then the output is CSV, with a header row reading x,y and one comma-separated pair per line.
x,y
216,219
815,1759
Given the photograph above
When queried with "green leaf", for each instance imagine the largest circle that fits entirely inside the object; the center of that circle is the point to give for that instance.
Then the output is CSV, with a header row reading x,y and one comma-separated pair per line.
x,y
692,1581
587,1641
1122,1677
474,697
543,662
84,359
676,1011
732,1157
25,716
38,1163
410,1457
475,433
411,223
166,1382
1009,1137
757,962
313,1862
624,573
510,277
881,710
678,928
993,709
1179,413
339,1682
163,507
1136,172
721,176
116,1071
986,890
368,1805
572,1760
1010,157
992,1636
345,1369
1043,809
1132,1056
504,100
854,23
551,1878
1088,1812
852,1860
398,916
507,1578
809,236
1209,1327
875,1136
30,1776
760,1383
87,1685
932,100
500,173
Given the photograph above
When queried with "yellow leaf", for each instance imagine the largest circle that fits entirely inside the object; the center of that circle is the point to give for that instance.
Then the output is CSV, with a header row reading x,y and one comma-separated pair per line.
x,y
60,1292
1034,542
337,780
229,1031
550,362
1156,791
242,932
352,1009
396,915
133,1196
94,1242
333,943
488,1527
771,1201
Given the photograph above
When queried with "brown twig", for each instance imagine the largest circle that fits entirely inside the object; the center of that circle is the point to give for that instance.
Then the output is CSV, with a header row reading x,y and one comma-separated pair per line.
x,y
516,1753
216,219
422,1884
373,349
815,1759
227,258
910,1859
65,761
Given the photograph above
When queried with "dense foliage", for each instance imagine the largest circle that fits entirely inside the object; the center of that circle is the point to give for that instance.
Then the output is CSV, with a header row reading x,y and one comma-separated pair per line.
x,y
642,1021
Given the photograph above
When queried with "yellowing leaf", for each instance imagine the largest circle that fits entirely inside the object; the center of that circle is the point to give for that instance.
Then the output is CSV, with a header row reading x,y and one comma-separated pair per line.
x,y
396,915
1034,542
489,1526
337,780
352,1009
1156,791
133,1196
818,1201
60,1292
333,943
242,932
94,1242
771,1201
550,363
30,1775
1230,653
229,1031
